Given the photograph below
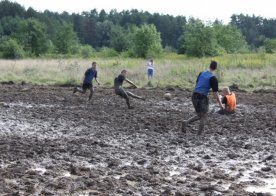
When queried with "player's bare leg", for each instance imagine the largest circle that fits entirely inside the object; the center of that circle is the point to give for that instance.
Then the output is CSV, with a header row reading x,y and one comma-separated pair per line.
x,y
187,122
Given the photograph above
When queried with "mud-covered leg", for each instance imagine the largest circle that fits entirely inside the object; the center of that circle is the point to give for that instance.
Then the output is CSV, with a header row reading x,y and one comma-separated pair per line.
x,y
203,118
122,93
185,123
128,104
134,96
91,93
80,90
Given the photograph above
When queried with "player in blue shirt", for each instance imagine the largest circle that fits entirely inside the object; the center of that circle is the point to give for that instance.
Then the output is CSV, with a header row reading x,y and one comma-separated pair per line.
x,y
88,81
205,81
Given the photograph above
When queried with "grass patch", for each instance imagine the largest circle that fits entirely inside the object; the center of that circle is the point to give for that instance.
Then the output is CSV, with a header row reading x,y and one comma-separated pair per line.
x,y
248,71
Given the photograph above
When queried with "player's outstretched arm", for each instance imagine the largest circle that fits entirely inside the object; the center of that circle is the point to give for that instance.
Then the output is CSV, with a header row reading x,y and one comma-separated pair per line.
x,y
216,94
130,82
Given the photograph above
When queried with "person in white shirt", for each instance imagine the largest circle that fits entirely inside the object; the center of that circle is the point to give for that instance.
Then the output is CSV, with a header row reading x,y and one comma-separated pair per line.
x,y
150,68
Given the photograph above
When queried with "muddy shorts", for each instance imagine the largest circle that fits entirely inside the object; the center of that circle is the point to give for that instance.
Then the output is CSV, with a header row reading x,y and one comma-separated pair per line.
x,y
200,103
86,86
121,92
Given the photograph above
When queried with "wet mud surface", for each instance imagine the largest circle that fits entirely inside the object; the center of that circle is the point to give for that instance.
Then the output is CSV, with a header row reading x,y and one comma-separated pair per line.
x,y
55,143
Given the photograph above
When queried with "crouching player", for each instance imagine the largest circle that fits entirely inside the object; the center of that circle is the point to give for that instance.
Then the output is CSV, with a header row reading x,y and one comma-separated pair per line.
x,y
229,99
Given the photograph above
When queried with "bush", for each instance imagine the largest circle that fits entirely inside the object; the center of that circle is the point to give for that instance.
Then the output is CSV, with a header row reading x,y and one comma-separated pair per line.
x,y
107,52
87,51
11,49
270,45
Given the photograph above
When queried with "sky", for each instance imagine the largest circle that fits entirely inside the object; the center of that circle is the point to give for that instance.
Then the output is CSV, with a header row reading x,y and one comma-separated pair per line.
x,y
206,10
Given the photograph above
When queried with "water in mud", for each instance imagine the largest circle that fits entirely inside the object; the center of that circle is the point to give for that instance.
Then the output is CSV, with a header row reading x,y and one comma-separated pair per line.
x,y
55,143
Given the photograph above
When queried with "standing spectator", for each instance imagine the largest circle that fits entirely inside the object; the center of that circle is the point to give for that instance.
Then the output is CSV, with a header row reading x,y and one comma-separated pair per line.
x,y
150,69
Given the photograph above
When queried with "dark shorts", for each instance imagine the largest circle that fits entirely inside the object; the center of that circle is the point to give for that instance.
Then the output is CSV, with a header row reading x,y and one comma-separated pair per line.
x,y
121,92
200,102
86,86
150,72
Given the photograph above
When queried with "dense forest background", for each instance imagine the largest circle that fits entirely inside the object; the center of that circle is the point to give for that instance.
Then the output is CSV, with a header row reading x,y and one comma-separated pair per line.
x,y
28,33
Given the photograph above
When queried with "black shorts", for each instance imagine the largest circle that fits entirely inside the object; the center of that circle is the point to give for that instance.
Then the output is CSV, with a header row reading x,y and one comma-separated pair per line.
x,y
86,86
121,92
200,102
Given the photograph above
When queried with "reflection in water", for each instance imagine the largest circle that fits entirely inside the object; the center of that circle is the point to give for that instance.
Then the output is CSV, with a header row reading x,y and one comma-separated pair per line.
x,y
269,187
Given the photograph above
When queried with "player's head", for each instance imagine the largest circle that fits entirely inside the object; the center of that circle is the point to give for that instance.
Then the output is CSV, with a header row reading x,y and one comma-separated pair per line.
x,y
226,91
213,65
94,65
124,72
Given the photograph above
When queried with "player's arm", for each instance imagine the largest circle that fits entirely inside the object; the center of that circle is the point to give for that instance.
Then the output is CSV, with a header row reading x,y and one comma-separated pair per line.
x,y
216,94
224,100
130,82
214,86
96,78
97,81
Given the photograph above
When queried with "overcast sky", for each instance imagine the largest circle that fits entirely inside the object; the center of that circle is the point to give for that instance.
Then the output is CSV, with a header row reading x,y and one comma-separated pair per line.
x,y
203,9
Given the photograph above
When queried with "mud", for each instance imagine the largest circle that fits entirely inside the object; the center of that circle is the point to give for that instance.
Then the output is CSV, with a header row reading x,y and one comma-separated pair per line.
x,y
55,143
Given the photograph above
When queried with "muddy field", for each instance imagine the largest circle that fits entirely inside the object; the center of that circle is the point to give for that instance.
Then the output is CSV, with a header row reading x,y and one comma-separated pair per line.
x,y
55,143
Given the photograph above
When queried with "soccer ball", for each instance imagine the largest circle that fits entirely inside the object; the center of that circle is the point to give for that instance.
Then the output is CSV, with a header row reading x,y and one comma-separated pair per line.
x,y
168,96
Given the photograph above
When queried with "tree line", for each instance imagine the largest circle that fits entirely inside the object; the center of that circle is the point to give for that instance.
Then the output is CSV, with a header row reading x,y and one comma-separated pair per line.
x,y
28,33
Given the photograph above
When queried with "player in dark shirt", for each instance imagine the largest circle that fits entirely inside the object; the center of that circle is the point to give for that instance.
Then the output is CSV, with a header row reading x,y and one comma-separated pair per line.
x,y
119,90
88,81
205,81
